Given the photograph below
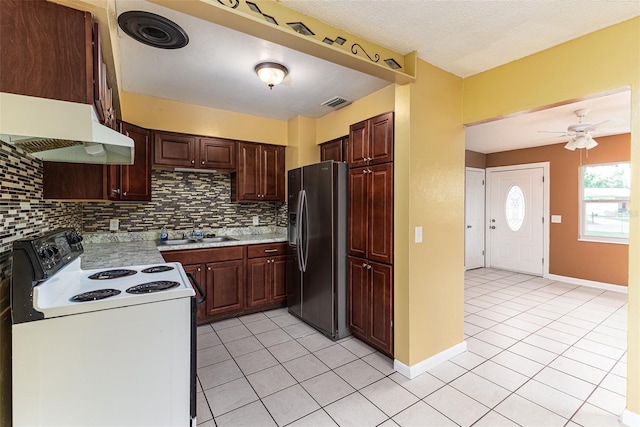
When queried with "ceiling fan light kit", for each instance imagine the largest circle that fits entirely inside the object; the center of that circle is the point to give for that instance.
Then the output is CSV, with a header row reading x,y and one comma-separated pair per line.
x,y
271,73
581,132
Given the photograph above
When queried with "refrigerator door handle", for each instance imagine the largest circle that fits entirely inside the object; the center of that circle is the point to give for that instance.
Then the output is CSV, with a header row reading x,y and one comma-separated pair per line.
x,y
304,220
299,230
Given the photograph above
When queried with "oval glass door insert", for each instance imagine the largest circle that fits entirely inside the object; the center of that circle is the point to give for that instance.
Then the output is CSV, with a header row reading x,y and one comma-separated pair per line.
x,y
515,208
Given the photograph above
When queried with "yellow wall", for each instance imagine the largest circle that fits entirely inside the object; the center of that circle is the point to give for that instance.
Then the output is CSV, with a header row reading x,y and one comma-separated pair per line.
x,y
336,124
301,143
163,114
560,74
429,192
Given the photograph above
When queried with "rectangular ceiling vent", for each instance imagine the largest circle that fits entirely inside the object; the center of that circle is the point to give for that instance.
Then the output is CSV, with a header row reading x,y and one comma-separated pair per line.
x,y
336,102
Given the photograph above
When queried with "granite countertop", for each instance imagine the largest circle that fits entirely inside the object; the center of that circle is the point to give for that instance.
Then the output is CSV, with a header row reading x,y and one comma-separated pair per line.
x,y
112,250
119,254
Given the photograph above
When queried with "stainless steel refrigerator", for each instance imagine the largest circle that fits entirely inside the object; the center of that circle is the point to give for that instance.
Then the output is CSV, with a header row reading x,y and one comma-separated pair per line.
x,y
317,235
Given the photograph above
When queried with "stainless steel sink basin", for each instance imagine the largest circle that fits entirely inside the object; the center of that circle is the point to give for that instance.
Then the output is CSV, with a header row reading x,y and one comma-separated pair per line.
x,y
216,239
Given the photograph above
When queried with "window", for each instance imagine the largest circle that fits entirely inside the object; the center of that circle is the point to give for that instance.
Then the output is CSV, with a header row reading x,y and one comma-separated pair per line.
x,y
605,202
515,208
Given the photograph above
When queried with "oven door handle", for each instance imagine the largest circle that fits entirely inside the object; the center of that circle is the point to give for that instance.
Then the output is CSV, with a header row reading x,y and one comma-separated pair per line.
x,y
203,295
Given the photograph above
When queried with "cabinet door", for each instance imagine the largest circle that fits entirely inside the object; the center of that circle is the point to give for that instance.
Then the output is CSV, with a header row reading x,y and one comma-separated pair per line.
x,y
381,307
46,51
246,185
332,150
224,281
278,279
271,173
174,150
358,296
358,147
135,179
258,278
381,139
358,212
196,270
72,181
218,154
380,193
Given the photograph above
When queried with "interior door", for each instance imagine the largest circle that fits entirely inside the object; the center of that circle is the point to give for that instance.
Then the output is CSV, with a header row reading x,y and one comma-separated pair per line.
x,y
516,219
474,210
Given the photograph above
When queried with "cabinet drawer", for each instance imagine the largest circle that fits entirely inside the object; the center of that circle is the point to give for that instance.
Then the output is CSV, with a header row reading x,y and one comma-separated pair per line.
x,y
196,256
267,249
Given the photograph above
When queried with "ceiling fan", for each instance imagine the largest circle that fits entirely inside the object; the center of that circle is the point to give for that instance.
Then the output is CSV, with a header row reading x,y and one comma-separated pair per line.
x,y
580,132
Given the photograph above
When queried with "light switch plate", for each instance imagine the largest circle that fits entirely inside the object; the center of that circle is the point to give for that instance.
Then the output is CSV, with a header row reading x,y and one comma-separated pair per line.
x,y
256,220
556,219
114,224
418,236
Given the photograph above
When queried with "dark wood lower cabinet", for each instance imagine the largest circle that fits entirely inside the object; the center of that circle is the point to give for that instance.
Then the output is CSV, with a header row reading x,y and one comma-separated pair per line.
x,y
224,281
238,279
371,303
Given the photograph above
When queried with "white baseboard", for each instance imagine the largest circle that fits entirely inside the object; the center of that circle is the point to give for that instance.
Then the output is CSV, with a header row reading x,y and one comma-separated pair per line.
x,y
589,283
630,419
420,367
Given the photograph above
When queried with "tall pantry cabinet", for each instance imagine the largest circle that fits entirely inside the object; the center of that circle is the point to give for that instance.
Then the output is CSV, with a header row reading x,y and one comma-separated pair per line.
x,y
370,240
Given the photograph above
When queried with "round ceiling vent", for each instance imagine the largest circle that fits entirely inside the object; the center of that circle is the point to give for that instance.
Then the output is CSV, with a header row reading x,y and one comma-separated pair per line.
x,y
153,30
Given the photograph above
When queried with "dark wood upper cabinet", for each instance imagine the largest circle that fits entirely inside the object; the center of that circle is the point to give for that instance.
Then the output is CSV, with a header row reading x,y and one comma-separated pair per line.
x,y
180,150
371,141
73,181
102,94
132,182
334,149
174,150
46,51
260,173
216,153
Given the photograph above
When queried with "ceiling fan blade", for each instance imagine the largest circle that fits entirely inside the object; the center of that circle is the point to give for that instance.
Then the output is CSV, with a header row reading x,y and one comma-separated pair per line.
x,y
597,125
563,133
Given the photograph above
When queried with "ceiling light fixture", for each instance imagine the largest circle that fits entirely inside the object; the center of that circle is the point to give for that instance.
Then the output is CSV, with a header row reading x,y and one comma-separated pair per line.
x,y
271,73
581,141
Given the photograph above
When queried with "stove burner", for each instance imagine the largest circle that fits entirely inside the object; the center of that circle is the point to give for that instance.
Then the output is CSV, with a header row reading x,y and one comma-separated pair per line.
x,y
112,274
145,288
158,269
94,295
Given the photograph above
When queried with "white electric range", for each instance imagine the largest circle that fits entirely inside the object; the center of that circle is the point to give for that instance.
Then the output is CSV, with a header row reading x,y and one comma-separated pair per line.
x,y
112,347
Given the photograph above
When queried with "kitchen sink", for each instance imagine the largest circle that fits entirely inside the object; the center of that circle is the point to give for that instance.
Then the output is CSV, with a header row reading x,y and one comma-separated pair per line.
x,y
215,239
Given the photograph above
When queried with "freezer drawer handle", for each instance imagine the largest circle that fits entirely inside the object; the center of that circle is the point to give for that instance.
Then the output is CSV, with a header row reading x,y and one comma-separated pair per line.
x,y
268,251
203,294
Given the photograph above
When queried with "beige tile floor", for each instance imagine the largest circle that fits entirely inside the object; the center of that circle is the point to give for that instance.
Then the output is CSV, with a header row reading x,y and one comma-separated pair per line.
x,y
540,353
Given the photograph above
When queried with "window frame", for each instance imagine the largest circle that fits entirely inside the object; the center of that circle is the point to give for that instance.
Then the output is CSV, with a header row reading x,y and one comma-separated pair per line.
x,y
582,201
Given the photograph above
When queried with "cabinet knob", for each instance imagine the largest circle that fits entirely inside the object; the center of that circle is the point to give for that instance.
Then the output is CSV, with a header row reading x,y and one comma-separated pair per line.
x,y
115,191
193,162
368,266
202,163
209,268
199,269
364,264
124,194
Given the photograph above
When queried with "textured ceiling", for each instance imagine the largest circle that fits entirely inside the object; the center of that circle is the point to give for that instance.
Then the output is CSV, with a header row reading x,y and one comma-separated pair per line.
x,y
466,37
216,68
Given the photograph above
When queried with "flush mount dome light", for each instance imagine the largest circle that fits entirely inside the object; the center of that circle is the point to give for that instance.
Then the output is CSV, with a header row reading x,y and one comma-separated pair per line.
x,y
153,30
271,73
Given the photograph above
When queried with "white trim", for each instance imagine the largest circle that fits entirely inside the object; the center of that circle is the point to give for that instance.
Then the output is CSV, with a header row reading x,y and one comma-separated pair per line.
x,y
546,171
421,367
484,209
630,419
590,283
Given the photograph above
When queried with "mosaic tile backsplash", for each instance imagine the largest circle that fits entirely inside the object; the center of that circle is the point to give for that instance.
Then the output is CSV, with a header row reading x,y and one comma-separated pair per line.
x,y
179,200
23,213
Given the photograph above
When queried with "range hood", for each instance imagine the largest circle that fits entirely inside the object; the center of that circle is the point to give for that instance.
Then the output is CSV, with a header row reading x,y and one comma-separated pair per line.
x,y
61,131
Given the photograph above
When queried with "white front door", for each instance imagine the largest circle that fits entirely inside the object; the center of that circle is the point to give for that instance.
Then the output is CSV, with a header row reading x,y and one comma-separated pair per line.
x,y
474,219
516,219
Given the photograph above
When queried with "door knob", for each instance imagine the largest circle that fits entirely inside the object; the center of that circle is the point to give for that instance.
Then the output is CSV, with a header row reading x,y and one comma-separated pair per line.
x,y
493,227
468,226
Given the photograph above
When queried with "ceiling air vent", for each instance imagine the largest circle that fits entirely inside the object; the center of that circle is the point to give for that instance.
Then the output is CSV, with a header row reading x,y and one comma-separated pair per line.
x,y
336,102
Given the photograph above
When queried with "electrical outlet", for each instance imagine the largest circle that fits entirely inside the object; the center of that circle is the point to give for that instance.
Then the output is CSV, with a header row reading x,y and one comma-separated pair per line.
x,y
114,224
256,220
418,235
